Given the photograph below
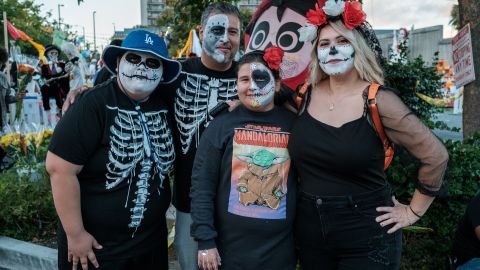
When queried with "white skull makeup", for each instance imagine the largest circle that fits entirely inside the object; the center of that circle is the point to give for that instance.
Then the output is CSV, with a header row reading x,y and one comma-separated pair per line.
x,y
337,59
215,37
263,85
53,56
140,72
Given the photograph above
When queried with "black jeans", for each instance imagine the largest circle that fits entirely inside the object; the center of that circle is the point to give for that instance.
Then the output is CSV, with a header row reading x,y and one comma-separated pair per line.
x,y
341,232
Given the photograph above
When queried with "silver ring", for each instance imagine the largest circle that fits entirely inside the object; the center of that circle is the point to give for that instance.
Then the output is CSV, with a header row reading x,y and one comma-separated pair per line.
x,y
204,252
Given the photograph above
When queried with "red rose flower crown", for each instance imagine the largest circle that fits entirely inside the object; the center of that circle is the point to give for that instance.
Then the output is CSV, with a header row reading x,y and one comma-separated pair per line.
x,y
349,11
273,56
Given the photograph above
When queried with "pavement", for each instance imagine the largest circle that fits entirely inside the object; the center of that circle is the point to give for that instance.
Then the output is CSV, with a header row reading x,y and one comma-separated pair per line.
x,y
452,120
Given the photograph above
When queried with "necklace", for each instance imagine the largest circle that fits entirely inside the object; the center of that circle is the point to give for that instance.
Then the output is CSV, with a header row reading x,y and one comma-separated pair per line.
x,y
331,106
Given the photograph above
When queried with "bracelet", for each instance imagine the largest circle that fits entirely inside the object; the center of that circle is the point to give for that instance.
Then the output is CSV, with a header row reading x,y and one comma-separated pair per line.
x,y
415,213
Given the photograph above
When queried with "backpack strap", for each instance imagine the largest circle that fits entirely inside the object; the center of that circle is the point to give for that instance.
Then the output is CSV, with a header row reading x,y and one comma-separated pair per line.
x,y
301,94
372,105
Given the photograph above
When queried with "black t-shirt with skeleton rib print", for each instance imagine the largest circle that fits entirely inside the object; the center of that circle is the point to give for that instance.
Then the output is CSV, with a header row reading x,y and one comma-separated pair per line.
x,y
126,153
192,97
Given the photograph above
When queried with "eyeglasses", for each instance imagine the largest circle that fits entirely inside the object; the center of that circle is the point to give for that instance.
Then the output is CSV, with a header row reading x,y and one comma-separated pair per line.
x,y
136,59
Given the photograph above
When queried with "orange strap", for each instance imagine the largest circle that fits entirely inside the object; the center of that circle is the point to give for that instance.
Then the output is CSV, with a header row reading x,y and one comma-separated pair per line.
x,y
301,94
372,105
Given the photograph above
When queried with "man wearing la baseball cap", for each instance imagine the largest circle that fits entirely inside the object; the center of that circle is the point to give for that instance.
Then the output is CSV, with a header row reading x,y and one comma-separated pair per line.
x,y
109,160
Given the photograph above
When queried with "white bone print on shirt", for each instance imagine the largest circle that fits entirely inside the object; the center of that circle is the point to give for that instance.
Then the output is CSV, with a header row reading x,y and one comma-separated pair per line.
x,y
197,95
147,147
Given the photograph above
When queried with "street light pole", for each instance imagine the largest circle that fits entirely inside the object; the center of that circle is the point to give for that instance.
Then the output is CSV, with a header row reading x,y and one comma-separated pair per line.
x,y
94,34
59,17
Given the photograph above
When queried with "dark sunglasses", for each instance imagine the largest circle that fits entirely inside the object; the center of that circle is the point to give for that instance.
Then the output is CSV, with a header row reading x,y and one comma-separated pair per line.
x,y
136,59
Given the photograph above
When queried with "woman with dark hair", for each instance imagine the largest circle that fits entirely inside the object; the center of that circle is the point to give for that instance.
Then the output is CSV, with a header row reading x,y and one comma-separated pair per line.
x,y
346,217
243,188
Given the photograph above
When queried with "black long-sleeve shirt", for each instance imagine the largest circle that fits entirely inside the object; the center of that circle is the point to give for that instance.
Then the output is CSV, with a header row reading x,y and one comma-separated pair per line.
x,y
243,190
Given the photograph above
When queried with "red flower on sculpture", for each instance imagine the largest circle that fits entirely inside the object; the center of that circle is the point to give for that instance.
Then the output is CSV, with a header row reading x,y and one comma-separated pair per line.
x,y
273,56
317,16
353,14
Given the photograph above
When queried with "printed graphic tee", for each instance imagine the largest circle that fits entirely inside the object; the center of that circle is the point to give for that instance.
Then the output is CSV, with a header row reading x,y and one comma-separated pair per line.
x,y
126,153
194,94
243,190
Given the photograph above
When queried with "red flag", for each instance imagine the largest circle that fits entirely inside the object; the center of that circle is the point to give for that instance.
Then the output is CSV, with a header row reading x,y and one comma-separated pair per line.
x,y
15,33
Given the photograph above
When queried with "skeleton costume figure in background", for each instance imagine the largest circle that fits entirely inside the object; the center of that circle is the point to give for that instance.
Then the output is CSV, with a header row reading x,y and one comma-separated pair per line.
x,y
76,65
55,78
263,85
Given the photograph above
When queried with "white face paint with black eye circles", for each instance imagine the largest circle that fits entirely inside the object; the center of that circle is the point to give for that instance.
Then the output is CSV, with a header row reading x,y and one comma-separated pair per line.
x,y
215,37
262,85
139,78
53,56
336,59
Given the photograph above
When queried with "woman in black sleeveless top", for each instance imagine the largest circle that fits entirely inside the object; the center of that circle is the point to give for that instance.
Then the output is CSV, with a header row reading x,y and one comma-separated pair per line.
x,y
346,217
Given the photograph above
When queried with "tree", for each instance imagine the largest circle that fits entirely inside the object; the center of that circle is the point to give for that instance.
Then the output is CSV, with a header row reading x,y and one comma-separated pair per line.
x,y
454,17
469,10
25,15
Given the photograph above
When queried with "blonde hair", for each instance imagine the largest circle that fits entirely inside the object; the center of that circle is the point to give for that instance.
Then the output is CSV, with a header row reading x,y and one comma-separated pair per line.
x,y
365,61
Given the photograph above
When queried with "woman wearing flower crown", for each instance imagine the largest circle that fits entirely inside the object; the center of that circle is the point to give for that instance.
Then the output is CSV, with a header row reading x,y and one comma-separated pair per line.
x,y
243,191
346,216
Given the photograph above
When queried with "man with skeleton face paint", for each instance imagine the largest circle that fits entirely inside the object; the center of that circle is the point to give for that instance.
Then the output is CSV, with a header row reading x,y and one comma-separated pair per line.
x,y
109,161
204,83
55,77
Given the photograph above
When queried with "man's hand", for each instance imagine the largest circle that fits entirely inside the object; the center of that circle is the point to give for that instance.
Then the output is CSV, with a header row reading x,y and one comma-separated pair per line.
x,y
70,99
80,250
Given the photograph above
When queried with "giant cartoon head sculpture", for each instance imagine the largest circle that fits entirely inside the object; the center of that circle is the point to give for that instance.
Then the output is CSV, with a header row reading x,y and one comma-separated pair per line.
x,y
276,23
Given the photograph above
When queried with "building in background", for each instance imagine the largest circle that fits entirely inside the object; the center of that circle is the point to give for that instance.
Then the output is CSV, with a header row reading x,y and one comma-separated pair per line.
x,y
248,4
421,42
150,11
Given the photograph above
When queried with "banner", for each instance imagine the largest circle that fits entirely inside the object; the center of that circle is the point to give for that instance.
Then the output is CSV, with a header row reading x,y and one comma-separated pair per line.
x,y
439,102
16,34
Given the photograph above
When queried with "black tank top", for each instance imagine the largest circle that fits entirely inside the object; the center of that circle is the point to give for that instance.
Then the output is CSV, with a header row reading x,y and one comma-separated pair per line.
x,y
332,161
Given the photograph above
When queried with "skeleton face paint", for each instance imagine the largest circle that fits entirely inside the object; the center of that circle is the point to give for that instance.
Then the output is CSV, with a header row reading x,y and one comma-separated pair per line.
x,y
337,59
256,85
53,56
140,72
215,37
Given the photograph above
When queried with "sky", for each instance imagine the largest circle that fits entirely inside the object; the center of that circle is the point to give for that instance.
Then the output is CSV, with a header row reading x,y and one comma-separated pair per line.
x,y
120,14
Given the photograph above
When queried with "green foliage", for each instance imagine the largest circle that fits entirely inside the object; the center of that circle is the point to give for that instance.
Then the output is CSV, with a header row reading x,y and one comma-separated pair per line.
x,y
411,76
25,15
430,250
27,206
455,17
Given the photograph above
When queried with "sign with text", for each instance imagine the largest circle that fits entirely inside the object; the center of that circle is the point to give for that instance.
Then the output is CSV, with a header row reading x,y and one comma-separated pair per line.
x,y
463,57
